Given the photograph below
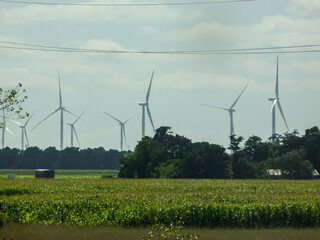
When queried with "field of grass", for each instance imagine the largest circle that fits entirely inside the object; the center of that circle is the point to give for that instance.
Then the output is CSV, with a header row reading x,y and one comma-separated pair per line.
x,y
62,232
59,173
145,202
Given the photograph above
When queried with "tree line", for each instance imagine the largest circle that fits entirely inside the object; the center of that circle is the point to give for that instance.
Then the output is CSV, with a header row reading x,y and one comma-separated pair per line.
x,y
174,156
51,158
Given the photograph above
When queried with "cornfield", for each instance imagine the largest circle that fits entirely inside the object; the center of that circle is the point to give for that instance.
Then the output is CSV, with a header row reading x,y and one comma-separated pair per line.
x,y
145,202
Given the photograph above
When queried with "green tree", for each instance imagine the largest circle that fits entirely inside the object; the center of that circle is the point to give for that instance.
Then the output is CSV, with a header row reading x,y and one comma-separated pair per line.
x,y
216,163
239,159
147,154
290,141
256,150
311,144
11,102
172,168
174,156
150,156
30,157
294,165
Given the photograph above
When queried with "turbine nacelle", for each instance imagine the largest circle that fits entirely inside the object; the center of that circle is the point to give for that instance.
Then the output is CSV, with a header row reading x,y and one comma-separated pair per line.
x,y
143,104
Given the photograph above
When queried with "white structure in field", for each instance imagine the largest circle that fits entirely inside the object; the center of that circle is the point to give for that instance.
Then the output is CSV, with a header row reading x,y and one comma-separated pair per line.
x,y
275,101
145,105
231,110
122,130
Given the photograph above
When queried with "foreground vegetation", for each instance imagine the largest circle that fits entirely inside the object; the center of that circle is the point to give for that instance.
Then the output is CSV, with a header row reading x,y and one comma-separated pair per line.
x,y
145,202
61,232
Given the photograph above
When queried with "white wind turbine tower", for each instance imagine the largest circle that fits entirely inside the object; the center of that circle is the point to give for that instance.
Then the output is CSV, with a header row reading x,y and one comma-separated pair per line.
x,y
276,101
122,130
73,130
61,109
231,110
145,105
24,132
4,127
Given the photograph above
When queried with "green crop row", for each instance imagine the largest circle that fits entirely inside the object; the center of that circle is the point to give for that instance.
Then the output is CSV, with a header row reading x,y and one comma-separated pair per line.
x,y
205,203
209,215
162,192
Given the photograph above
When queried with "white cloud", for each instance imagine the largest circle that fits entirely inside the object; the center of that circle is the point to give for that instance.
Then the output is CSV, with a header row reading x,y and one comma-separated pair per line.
x,y
41,13
148,30
102,44
305,9
271,31
188,80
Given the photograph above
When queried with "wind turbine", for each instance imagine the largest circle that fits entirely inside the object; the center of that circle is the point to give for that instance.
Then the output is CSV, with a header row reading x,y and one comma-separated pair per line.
x,y
122,130
275,101
145,105
231,110
73,130
24,132
4,127
61,109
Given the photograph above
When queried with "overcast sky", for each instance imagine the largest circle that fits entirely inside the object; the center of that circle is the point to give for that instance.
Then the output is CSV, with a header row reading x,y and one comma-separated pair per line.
x,y
112,82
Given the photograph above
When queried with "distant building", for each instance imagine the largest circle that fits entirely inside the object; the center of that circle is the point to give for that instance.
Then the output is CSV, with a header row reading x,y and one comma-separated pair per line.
x,y
315,174
276,173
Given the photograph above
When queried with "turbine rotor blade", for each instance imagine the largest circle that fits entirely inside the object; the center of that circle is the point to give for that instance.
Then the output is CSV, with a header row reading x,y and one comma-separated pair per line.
x,y
78,118
69,112
148,93
239,96
284,119
124,134
25,134
75,133
112,117
149,114
274,103
277,80
16,122
45,118
128,118
207,105
28,119
60,97
7,129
